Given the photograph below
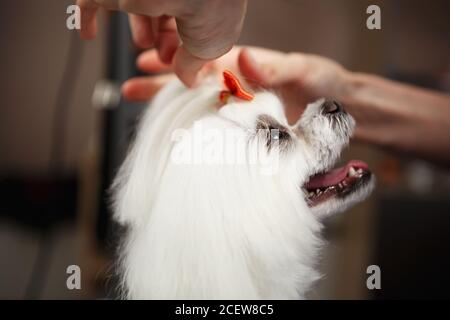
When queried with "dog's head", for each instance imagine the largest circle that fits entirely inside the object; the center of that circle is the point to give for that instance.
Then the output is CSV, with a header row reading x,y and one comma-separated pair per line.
x,y
307,150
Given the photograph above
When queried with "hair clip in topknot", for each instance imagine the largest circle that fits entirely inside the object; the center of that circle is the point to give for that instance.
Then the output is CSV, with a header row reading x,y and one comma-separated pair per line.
x,y
234,88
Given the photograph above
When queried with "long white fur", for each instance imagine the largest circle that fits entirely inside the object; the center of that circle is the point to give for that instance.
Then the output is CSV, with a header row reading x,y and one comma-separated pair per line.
x,y
220,231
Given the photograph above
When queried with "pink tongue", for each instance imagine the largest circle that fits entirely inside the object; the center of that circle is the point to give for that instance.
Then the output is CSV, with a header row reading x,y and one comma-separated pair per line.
x,y
334,176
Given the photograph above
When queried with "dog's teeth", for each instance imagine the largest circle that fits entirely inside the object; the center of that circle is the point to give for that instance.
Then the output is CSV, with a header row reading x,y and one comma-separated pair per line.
x,y
359,170
311,194
351,172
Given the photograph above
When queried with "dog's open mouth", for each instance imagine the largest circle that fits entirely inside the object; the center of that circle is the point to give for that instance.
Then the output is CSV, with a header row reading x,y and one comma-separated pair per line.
x,y
338,182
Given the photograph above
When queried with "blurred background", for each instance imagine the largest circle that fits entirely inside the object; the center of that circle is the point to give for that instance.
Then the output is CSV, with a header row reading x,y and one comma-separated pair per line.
x,y
64,130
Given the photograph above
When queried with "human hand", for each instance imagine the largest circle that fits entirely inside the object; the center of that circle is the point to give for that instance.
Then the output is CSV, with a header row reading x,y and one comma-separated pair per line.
x,y
298,78
207,28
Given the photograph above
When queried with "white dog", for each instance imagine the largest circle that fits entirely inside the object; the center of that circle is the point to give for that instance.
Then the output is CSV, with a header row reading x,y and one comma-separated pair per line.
x,y
227,203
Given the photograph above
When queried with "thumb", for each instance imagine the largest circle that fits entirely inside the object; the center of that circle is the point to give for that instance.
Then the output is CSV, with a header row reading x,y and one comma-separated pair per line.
x,y
213,29
187,66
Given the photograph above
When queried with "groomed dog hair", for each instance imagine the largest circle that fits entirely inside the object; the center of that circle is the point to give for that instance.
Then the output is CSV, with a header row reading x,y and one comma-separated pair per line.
x,y
216,199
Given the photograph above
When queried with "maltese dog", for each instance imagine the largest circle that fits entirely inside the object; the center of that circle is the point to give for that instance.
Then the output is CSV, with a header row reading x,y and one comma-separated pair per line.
x,y
223,199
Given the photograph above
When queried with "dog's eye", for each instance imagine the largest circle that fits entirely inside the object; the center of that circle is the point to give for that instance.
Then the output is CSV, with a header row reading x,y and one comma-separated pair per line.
x,y
273,130
278,133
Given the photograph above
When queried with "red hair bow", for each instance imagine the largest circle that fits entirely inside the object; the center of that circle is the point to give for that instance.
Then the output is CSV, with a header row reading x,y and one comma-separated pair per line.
x,y
234,88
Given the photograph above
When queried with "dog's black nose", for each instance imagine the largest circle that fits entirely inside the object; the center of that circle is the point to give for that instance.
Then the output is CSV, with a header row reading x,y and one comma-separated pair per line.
x,y
331,107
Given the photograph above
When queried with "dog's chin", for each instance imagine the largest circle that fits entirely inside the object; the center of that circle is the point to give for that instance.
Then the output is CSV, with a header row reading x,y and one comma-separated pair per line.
x,y
336,190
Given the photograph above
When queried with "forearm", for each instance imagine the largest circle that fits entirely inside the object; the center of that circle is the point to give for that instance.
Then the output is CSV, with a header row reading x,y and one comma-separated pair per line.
x,y
400,117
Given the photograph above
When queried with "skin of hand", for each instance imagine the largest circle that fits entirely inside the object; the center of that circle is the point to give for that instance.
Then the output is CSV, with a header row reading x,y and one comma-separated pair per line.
x,y
297,78
207,28
388,114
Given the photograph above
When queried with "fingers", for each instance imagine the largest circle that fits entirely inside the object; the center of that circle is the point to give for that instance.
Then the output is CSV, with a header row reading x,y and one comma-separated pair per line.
x,y
144,88
160,32
141,30
149,61
140,17
142,7
270,69
167,39
88,10
187,67
208,28
109,4
262,68
250,69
